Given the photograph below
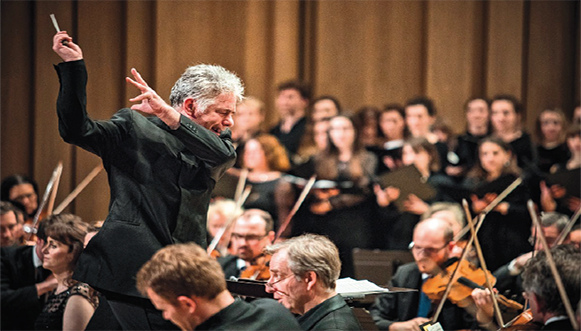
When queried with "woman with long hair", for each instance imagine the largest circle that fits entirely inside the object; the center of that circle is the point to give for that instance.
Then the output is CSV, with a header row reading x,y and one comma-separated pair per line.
x,y
392,132
266,160
506,229
398,224
340,204
72,304
22,191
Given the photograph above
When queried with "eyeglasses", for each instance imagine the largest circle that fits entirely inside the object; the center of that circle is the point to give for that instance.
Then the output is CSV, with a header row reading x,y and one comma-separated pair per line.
x,y
427,250
271,284
248,237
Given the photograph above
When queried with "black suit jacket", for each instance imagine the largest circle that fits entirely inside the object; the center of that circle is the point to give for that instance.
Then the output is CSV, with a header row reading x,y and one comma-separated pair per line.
x,y
160,181
261,314
401,307
19,300
331,314
564,324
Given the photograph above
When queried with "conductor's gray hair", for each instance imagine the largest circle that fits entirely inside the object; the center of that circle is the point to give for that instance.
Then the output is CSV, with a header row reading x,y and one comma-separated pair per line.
x,y
204,83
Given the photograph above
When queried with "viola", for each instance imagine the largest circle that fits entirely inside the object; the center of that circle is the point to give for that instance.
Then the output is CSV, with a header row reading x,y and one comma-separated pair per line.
x,y
524,321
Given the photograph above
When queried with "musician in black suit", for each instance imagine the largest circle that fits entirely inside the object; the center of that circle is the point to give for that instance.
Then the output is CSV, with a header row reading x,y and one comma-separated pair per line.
x,y
161,171
540,288
304,272
24,283
188,286
431,247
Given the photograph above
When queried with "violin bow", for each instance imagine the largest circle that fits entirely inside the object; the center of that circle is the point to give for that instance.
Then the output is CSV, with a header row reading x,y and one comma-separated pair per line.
x,y
240,185
554,271
65,203
568,228
54,190
481,217
482,262
54,178
226,226
296,207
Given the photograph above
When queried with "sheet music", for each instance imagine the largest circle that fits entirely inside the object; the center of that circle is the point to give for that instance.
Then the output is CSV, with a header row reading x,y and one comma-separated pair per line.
x,y
349,287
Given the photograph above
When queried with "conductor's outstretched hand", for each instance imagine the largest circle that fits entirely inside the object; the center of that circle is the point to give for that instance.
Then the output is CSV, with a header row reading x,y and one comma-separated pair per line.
x,y
68,51
151,102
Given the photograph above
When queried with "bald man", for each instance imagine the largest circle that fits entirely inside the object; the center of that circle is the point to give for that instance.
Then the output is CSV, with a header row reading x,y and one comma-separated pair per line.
x,y
431,247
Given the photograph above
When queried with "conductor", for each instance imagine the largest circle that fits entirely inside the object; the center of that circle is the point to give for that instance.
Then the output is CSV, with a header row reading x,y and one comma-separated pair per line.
x,y
161,171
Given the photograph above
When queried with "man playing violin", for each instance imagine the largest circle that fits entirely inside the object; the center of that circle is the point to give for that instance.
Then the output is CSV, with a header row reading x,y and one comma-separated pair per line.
x,y
540,288
304,271
431,247
252,232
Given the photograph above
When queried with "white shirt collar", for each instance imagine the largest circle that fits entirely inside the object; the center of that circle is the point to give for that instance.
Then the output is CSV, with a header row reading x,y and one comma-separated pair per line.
x,y
35,259
556,318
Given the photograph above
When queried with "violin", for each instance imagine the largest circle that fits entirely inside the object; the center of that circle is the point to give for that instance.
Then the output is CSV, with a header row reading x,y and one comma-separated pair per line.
x,y
524,321
469,277
257,271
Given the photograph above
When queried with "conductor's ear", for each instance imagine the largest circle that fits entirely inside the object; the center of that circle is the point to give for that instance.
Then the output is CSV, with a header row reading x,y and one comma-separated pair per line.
x,y
189,107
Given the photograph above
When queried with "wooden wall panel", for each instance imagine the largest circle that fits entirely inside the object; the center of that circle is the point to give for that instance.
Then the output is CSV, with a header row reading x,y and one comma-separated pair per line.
x,y
454,56
364,52
551,54
258,72
504,55
211,32
105,56
140,44
371,56
49,148
16,102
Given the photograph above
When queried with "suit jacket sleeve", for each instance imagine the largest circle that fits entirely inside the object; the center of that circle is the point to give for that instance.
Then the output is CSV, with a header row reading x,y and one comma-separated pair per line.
x,y
15,299
205,144
75,125
399,307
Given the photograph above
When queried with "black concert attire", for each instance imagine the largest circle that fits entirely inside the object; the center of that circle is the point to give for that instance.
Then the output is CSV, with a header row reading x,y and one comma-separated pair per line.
x,y
160,181
401,307
51,317
261,314
331,314
19,299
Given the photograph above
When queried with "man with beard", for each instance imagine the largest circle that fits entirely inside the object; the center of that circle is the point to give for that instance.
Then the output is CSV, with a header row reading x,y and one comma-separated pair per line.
x,y
252,232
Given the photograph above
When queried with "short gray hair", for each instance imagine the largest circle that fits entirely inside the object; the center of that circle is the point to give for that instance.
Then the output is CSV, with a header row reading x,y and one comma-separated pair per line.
x,y
553,218
311,252
204,83
538,278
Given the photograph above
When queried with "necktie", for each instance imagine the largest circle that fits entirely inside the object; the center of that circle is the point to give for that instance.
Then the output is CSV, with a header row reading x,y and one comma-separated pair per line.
x,y
425,303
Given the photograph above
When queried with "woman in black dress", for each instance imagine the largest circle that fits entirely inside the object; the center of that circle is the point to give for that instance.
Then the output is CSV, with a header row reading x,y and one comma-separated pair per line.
x,y
506,229
72,304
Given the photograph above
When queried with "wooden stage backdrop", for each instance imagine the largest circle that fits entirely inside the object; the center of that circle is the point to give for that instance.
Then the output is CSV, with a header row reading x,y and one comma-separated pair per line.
x,y
364,52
